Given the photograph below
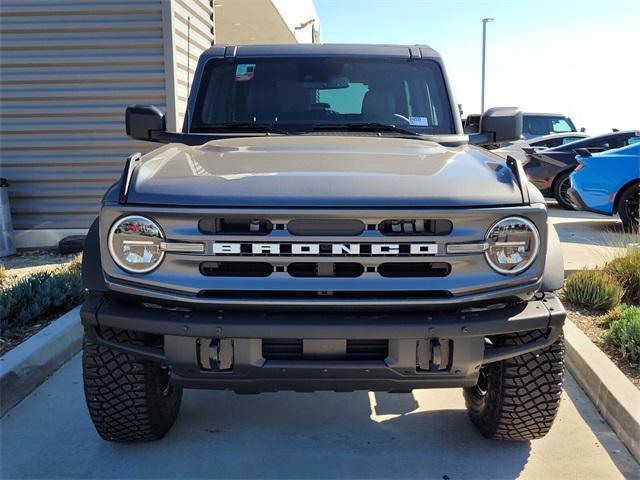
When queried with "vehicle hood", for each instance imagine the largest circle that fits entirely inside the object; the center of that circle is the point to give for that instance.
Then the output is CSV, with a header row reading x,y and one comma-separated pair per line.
x,y
329,170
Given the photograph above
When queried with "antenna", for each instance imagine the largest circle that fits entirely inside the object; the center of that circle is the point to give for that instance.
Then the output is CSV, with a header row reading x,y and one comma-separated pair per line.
x,y
188,71
188,52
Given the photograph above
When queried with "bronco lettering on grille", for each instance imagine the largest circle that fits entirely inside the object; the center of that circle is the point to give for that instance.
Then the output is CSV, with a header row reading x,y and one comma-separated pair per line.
x,y
324,249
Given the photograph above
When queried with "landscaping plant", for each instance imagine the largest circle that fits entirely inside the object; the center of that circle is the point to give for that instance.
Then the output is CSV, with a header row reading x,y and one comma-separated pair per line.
x,y
626,270
40,294
594,289
624,334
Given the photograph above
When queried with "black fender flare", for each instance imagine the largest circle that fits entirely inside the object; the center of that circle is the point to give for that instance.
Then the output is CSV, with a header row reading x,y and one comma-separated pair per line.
x,y
92,275
553,276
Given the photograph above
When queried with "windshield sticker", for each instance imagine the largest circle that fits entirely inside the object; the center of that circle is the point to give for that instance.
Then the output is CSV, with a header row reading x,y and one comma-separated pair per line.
x,y
419,121
244,71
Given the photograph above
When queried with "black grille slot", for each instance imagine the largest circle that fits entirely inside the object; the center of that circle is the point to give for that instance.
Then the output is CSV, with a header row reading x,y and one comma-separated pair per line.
x,y
236,269
320,294
235,226
325,269
282,348
367,349
422,269
413,226
292,349
320,227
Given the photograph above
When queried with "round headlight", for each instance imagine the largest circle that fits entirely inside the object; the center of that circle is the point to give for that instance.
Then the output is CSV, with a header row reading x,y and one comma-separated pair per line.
x,y
134,244
512,245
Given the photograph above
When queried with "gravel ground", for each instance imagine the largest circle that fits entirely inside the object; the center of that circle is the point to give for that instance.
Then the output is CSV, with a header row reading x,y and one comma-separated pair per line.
x,y
589,322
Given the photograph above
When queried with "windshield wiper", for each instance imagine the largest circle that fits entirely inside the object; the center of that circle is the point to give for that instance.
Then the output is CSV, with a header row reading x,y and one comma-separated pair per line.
x,y
368,126
256,127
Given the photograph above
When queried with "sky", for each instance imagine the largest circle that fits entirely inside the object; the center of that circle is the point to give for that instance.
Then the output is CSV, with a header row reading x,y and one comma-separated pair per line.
x,y
578,58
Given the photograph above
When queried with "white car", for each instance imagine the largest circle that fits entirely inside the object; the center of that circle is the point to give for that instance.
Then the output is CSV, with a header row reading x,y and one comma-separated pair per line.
x,y
516,149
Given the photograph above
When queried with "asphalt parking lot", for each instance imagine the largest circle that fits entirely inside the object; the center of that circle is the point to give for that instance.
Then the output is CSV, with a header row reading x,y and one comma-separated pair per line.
x,y
588,239
292,435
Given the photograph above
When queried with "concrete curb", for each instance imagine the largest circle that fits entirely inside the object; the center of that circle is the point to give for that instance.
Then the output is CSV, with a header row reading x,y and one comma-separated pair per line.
x,y
26,366
617,399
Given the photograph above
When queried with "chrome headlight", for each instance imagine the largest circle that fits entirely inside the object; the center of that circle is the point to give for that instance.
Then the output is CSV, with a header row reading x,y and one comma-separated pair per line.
x,y
512,245
134,244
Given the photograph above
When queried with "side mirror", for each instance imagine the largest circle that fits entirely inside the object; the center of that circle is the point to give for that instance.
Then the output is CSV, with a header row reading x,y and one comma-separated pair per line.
x,y
497,125
144,122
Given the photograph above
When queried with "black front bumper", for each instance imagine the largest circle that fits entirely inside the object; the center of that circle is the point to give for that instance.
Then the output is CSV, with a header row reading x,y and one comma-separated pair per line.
x,y
224,350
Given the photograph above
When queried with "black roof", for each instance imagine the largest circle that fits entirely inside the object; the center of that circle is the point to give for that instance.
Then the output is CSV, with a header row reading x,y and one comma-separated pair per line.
x,y
324,49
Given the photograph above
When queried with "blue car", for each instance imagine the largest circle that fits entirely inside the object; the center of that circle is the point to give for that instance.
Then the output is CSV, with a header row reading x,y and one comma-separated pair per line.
x,y
608,183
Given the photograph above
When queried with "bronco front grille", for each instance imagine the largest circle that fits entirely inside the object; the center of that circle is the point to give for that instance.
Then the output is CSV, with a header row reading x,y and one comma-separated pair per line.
x,y
369,257
306,247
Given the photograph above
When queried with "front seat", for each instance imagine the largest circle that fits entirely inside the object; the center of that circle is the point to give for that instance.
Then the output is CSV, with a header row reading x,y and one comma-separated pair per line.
x,y
378,105
262,102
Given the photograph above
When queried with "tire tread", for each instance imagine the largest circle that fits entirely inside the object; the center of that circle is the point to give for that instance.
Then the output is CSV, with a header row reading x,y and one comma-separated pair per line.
x,y
124,394
524,392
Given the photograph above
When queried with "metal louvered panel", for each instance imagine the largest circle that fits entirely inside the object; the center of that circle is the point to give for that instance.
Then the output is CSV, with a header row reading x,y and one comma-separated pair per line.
x,y
69,69
192,24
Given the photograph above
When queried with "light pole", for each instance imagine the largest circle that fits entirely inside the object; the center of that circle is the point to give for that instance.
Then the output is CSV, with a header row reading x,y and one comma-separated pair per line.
x,y
484,48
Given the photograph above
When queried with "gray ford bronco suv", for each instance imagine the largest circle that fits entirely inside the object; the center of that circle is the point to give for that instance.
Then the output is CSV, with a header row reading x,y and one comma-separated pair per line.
x,y
322,223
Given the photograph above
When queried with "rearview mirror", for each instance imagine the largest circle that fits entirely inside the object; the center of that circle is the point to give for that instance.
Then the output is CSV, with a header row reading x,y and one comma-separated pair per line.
x,y
497,125
144,122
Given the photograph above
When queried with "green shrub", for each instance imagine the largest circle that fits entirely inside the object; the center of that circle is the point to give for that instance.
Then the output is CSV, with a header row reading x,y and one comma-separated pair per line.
x,y
626,270
39,294
611,316
624,334
593,289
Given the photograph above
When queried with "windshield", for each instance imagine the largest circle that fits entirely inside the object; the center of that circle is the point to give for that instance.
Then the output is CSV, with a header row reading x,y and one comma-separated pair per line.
x,y
303,94
544,125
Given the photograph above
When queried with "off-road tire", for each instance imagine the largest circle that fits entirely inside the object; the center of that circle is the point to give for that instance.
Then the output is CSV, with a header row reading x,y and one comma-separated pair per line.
x,y
560,187
129,399
628,208
518,398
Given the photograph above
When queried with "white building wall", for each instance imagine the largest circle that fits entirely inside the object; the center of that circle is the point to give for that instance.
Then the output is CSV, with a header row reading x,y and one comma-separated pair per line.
x,y
301,18
68,69
67,72
184,20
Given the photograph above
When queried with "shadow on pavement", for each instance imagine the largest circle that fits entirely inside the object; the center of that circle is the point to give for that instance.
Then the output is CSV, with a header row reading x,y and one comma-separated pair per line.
x,y
322,435
602,431
286,435
605,234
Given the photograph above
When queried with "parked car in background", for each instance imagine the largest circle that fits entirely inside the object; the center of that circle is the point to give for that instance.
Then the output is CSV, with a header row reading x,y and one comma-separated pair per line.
x,y
517,149
471,124
608,183
549,169
533,124
539,124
